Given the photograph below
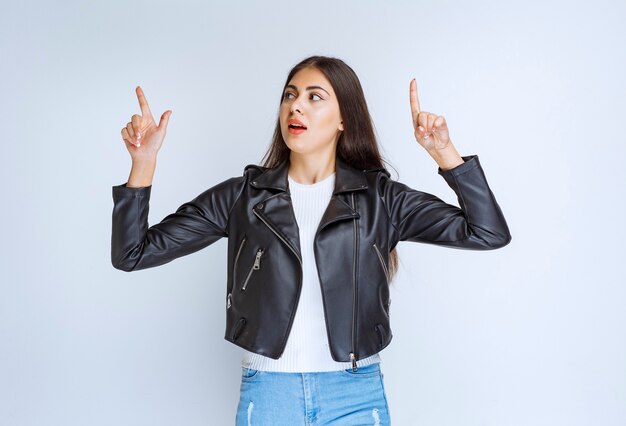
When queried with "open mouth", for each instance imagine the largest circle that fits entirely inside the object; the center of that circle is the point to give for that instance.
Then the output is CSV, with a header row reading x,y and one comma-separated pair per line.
x,y
296,129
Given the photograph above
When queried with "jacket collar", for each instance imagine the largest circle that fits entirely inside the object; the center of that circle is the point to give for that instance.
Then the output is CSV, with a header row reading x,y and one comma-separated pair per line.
x,y
347,178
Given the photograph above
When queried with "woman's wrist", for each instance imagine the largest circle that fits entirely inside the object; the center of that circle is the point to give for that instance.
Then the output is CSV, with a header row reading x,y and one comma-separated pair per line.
x,y
446,158
141,173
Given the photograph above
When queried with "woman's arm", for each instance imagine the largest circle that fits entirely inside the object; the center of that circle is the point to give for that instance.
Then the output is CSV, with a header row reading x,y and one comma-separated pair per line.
x,y
422,217
195,225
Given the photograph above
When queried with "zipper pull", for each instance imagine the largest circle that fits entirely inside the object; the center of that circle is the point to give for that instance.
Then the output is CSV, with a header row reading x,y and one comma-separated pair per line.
x,y
353,359
257,261
229,303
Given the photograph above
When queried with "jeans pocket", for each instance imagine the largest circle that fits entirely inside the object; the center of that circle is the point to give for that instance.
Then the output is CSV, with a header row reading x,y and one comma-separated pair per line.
x,y
371,370
248,373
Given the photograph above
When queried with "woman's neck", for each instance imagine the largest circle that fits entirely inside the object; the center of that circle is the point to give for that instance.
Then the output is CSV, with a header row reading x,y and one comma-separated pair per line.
x,y
311,169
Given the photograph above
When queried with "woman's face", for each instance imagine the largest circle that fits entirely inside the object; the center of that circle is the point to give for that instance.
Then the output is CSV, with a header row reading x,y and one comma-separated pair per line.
x,y
310,99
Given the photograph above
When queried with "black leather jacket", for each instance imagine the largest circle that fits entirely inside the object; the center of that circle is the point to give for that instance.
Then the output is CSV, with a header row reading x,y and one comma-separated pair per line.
x,y
368,214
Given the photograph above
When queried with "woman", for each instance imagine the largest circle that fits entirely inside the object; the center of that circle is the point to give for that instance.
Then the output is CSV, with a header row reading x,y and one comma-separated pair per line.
x,y
311,243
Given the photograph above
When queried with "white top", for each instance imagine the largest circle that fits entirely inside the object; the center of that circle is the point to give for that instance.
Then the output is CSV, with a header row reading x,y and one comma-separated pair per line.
x,y
307,348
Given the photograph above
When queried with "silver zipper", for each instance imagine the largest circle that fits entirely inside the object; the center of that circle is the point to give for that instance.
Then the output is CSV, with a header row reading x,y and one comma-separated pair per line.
x,y
297,257
382,262
352,354
230,293
278,235
315,239
256,266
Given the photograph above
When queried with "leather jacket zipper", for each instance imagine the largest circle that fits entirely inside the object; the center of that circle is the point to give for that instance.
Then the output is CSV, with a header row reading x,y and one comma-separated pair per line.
x,y
382,262
279,236
256,266
230,293
354,293
295,253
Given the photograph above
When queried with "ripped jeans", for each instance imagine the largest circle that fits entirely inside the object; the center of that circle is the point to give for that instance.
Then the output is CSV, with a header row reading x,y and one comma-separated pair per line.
x,y
335,398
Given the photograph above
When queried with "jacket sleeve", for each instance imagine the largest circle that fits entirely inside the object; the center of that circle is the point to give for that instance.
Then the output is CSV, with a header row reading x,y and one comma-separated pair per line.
x,y
418,216
193,226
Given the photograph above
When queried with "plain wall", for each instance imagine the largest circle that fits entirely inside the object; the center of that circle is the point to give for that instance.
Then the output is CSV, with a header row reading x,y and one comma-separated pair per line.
x,y
529,335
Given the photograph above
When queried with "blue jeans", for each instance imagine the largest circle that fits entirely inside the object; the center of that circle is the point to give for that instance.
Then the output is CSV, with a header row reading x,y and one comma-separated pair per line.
x,y
271,398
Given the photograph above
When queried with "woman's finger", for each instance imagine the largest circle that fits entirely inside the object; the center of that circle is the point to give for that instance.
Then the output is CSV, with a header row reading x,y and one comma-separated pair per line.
x,y
143,102
415,103
125,136
131,132
165,118
439,122
136,120
422,120
431,122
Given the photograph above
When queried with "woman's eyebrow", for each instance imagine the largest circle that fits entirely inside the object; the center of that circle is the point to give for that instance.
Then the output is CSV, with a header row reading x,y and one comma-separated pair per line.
x,y
291,86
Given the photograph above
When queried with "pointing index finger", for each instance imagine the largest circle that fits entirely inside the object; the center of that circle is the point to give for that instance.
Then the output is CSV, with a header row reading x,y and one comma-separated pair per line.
x,y
415,103
143,102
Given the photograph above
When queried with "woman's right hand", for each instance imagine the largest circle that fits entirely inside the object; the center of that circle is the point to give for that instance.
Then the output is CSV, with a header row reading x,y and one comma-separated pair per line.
x,y
143,138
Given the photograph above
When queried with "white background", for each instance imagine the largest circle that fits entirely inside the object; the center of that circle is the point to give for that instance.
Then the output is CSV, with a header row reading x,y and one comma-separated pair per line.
x,y
529,335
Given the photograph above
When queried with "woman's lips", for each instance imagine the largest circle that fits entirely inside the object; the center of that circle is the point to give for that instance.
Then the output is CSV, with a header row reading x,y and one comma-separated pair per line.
x,y
296,130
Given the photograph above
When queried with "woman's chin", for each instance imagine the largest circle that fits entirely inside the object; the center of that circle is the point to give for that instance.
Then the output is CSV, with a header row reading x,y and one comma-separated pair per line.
x,y
297,146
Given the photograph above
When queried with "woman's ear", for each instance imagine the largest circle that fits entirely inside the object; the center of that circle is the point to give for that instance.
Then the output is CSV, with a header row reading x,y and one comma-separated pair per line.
x,y
341,126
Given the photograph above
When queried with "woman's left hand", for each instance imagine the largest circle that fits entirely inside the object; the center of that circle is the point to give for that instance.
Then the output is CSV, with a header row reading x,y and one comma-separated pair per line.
x,y
431,130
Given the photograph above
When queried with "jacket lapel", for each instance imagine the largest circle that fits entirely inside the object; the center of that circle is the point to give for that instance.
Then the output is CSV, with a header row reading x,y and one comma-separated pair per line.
x,y
276,211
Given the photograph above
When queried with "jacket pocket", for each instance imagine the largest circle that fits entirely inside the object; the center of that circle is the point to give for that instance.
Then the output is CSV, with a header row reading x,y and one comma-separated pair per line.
x,y
230,293
381,335
382,262
238,328
255,267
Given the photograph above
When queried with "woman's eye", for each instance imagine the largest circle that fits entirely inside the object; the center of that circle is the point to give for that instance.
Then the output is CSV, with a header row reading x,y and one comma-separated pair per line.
x,y
286,95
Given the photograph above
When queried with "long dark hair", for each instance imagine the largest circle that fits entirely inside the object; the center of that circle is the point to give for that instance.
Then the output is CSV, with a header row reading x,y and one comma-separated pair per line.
x,y
357,144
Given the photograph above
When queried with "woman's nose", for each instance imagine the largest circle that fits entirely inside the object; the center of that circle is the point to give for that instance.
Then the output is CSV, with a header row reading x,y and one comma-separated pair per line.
x,y
295,107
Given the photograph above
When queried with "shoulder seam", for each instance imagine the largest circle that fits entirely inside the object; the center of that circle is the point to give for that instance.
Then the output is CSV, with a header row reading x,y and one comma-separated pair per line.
x,y
243,185
377,170
382,200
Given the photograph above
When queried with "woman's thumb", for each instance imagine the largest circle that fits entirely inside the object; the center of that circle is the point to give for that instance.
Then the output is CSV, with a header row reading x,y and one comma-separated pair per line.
x,y
165,118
